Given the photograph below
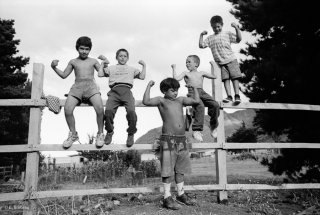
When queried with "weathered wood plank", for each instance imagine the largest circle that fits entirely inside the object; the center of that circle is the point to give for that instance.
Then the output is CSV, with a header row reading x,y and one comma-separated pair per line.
x,y
32,165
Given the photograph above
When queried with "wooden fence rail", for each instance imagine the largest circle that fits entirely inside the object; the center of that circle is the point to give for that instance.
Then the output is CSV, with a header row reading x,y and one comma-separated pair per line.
x,y
221,146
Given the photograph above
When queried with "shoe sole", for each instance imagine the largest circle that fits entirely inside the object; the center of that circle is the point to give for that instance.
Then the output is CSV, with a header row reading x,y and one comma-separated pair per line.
x,y
236,102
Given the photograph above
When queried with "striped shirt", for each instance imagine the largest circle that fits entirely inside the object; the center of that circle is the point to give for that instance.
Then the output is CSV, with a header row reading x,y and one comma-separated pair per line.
x,y
121,74
220,45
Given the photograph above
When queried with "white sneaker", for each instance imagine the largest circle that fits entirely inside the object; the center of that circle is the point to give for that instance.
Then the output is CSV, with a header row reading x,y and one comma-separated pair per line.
x,y
99,140
214,133
197,135
70,140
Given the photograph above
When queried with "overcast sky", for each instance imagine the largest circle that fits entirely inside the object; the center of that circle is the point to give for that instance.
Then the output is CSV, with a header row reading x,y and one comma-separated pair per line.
x,y
160,32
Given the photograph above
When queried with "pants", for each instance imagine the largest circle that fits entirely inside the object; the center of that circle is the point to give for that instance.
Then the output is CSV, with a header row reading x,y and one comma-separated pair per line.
x,y
213,110
120,96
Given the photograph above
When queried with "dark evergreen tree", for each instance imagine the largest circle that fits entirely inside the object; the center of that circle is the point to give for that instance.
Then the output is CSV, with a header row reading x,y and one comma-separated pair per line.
x,y
282,67
13,84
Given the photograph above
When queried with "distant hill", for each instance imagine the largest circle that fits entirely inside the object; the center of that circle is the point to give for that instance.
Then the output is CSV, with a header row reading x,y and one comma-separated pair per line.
x,y
232,122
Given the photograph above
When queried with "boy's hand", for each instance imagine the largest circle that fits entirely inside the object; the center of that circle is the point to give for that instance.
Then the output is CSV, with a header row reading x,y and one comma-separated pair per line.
x,y
151,83
204,32
54,63
173,66
234,25
104,59
189,85
141,62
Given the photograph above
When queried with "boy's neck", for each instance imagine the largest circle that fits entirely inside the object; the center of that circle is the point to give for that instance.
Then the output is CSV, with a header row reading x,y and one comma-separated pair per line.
x,y
194,70
171,99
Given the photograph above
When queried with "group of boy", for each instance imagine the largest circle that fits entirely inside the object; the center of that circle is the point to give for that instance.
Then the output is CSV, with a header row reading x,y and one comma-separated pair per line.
x,y
172,143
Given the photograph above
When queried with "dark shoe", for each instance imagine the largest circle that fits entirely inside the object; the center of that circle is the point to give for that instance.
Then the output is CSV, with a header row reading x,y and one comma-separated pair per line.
x,y
237,99
108,138
171,204
185,199
130,140
228,99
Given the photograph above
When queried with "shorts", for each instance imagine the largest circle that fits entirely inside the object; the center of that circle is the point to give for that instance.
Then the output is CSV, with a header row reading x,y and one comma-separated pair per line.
x,y
174,155
230,71
84,89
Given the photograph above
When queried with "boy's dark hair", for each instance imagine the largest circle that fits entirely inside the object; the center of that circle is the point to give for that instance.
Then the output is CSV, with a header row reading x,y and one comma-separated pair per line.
x,y
169,83
216,19
83,41
122,50
196,59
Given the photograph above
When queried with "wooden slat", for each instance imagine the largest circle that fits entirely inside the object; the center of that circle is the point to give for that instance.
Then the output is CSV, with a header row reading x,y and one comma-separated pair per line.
x,y
32,166
148,147
61,193
280,106
271,187
138,103
11,196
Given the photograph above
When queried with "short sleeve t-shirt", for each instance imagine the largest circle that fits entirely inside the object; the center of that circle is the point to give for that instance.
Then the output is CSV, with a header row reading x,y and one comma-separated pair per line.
x,y
220,45
121,74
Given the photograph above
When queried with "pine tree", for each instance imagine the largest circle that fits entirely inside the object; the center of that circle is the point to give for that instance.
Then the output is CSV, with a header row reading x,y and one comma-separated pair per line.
x,y
13,84
282,67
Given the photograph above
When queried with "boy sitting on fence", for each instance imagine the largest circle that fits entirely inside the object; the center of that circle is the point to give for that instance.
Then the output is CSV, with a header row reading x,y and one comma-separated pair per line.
x,y
120,82
84,88
174,152
195,79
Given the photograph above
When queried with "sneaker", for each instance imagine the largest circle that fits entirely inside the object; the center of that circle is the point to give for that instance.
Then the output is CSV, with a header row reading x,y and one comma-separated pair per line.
x,y
214,133
197,135
108,138
130,140
237,99
185,199
228,99
99,140
72,137
169,203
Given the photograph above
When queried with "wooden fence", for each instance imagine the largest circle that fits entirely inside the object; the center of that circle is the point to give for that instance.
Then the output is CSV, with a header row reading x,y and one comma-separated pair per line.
x,y
221,146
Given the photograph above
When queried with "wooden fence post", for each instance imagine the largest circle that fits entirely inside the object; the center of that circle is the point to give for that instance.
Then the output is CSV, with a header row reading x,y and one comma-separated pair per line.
x,y
32,166
220,154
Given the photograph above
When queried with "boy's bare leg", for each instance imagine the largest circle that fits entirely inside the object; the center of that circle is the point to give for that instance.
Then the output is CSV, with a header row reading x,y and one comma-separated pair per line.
x,y
96,102
227,87
71,103
235,83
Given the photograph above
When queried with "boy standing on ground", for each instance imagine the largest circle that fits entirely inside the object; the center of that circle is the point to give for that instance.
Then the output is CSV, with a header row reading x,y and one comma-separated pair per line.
x,y
84,88
174,153
220,45
120,82
195,78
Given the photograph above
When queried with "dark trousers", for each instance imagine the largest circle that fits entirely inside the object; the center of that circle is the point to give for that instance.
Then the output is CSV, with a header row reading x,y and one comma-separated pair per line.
x,y
120,96
213,110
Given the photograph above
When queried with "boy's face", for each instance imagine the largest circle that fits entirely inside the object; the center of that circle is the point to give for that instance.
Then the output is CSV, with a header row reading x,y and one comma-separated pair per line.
x,y
171,93
83,52
217,27
122,58
191,64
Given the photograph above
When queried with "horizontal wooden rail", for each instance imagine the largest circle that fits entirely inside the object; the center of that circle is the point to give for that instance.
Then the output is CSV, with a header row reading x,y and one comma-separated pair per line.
x,y
244,105
148,147
227,187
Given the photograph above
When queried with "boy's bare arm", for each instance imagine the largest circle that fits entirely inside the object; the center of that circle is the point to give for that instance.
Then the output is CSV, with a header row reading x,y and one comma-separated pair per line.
x,y
104,64
142,75
62,74
174,73
210,75
238,32
146,97
191,101
201,45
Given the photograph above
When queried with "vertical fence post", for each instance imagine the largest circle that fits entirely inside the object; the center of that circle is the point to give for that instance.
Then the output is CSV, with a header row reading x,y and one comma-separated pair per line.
x,y
32,166
220,154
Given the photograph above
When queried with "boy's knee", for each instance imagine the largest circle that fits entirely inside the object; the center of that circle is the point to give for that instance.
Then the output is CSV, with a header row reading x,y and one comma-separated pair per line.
x,y
108,113
68,111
